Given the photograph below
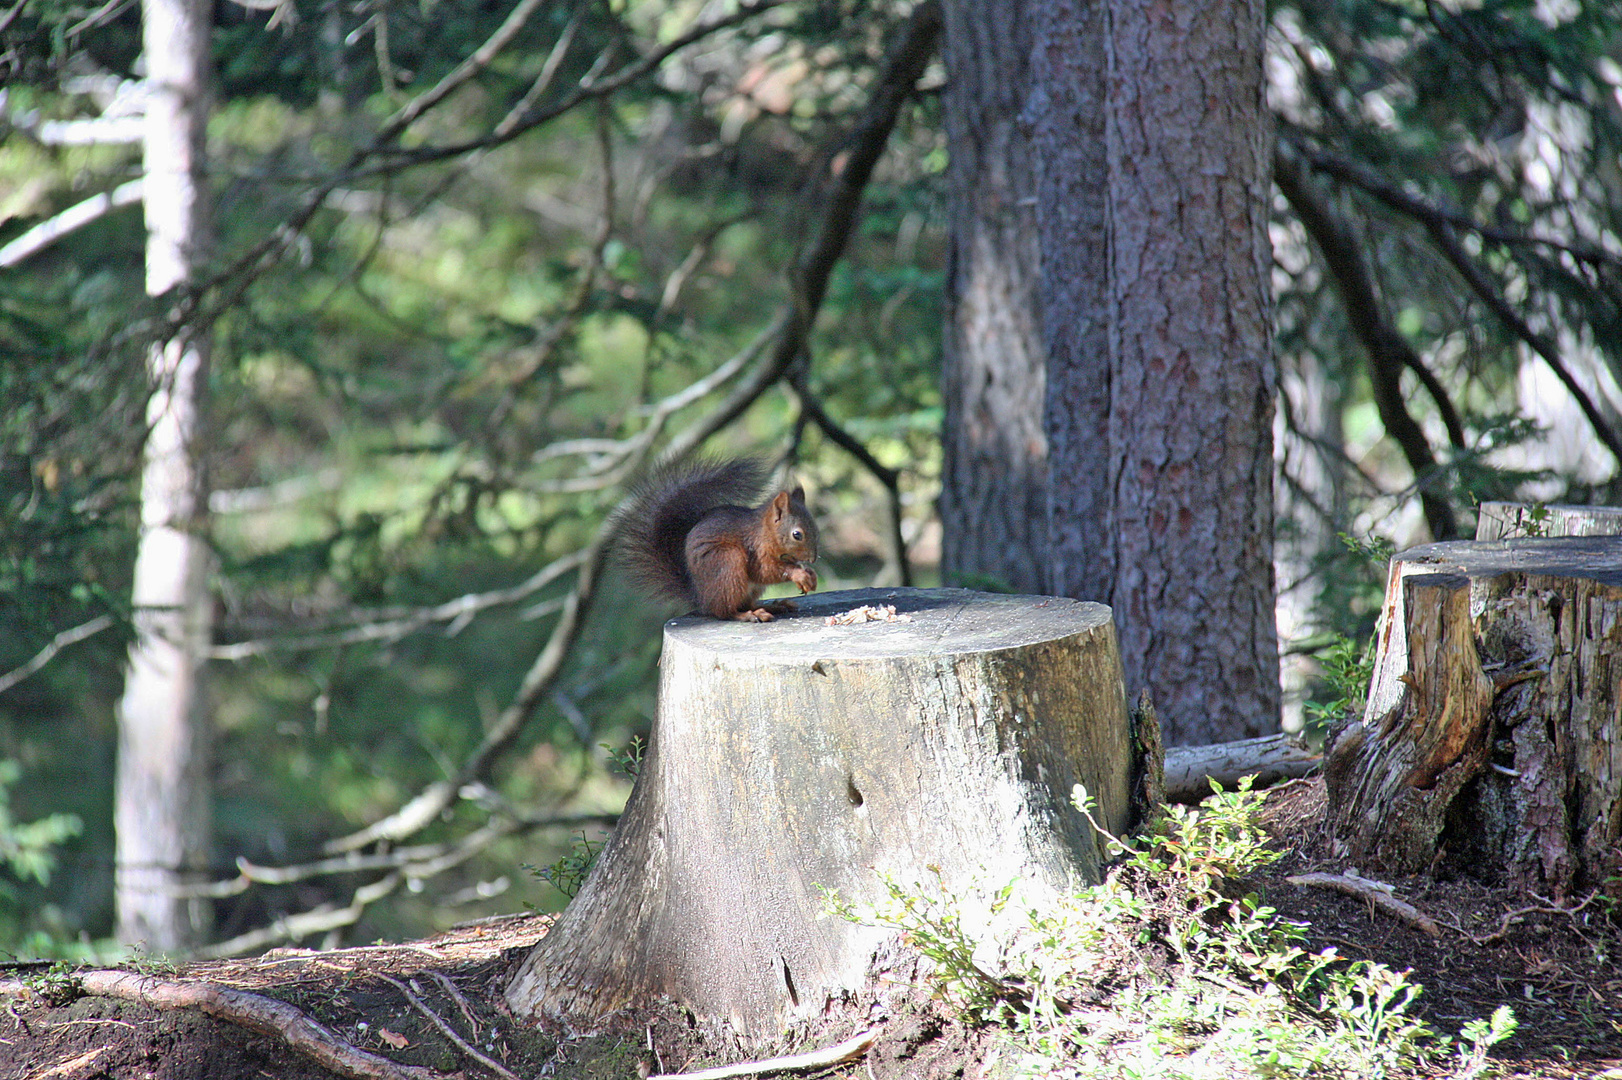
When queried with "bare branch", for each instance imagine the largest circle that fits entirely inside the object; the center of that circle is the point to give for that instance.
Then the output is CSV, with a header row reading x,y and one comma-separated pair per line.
x,y
549,72
11,16
56,645
1387,350
837,1054
395,624
1376,893
588,88
1425,210
1476,278
77,216
293,927
480,59
886,476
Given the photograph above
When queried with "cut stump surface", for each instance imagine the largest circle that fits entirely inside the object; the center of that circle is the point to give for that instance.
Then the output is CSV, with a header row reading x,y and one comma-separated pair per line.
x,y
794,756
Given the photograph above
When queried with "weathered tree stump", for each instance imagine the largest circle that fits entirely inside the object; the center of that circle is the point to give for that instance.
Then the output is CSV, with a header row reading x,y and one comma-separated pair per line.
x,y
794,755
1503,520
1492,732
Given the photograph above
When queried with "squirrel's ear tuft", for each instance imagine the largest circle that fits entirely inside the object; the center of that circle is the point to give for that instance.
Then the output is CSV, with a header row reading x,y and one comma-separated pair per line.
x,y
798,494
780,505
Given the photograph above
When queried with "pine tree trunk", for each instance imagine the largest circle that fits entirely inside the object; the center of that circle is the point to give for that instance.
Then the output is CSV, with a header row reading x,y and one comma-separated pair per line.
x,y
1493,733
993,494
1156,301
161,808
795,756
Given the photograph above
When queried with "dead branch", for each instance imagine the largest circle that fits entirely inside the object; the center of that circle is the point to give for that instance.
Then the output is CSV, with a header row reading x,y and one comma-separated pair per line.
x,y
837,1054
890,478
54,646
1414,206
1189,770
1387,350
416,862
1510,918
392,624
1376,893
303,924
589,87
77,216
446,1030
225,289
1476,278
257,1013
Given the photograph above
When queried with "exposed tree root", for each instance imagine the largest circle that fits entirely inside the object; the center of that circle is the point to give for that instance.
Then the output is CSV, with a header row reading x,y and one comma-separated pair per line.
x,y
267,1016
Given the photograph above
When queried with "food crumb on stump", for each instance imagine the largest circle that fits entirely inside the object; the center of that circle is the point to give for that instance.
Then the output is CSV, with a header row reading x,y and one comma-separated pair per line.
x,y
866,613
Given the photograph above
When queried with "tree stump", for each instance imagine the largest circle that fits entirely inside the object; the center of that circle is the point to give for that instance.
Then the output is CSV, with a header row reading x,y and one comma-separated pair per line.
x,y
794,755
1493,731
1502,520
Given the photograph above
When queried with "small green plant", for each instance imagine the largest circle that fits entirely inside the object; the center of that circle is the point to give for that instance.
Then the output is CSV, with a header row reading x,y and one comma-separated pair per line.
x,y
26,848
1536,521
1376,549
1479,1036
627,760
569,872
1347,667
1170,968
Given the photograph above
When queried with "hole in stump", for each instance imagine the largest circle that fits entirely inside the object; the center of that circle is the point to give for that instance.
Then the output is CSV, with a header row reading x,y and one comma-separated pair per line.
x,y
851,793
788,982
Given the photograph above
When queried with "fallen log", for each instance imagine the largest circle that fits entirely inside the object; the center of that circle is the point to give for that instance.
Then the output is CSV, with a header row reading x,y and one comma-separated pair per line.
x,y
1270,759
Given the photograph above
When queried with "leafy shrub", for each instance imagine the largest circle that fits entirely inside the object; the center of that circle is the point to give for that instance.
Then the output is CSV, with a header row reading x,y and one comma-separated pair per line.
x,y
1170,968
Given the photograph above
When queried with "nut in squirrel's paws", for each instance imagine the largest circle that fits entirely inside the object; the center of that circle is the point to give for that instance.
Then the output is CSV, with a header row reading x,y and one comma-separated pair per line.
x,y
866,613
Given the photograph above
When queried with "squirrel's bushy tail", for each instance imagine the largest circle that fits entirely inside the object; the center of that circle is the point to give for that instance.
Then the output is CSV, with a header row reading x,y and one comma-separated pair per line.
x,y
662,508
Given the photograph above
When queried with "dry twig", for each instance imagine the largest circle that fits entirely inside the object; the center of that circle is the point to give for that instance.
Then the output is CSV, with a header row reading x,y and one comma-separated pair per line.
x,y
1377,893
849,1050
446,1030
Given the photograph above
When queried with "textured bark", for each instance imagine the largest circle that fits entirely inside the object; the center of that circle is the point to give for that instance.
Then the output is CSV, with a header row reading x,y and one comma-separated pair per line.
x,y
993,502
1068,107
793,755
1156,304
1500,654
161,811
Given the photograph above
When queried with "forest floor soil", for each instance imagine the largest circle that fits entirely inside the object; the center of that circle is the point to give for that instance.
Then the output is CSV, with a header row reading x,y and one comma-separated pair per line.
x,y
1560,970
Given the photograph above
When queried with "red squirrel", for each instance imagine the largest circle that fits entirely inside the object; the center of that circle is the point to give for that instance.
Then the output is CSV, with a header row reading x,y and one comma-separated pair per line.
x,y
682,537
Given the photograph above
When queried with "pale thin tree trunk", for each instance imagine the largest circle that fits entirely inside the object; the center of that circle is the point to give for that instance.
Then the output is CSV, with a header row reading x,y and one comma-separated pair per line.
x,y
1153,138
993,502
162,800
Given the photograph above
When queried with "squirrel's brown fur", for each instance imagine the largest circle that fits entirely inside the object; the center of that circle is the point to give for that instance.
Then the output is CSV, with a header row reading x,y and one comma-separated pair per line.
x,y
683,536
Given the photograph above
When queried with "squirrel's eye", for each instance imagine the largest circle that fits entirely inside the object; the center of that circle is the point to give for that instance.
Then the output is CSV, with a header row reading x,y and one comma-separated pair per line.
x,y
797,534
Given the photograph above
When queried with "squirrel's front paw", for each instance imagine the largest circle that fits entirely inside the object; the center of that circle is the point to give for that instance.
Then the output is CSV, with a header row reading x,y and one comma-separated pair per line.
x,y
804,577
